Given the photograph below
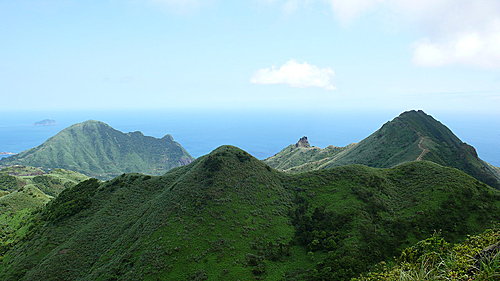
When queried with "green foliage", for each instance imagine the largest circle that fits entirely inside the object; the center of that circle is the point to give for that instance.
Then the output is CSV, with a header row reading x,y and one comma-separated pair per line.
x,y
476,258
71,201
97,150
228,216
8,182
355,216
28,190
426,250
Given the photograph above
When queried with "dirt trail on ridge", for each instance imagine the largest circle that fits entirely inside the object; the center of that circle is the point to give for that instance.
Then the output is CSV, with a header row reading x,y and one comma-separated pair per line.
x,y
424,150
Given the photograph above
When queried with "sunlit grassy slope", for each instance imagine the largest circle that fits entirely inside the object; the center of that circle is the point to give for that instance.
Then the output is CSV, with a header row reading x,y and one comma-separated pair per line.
x,y
228,216
24,190
97,150
411,136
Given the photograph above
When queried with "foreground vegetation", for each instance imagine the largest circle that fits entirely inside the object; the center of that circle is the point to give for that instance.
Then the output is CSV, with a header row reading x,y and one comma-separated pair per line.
x,y
477,258
228,216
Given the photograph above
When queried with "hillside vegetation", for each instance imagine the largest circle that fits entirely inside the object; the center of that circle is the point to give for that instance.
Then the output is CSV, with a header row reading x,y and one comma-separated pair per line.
x,y
95,149
477,258
411,136
229,216
24,190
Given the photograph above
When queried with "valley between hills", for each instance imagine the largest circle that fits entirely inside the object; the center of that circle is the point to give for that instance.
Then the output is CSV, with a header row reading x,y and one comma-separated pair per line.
x,y
409,202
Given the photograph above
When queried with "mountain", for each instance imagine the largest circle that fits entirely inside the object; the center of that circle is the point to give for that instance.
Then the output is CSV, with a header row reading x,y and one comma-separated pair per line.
x,y
97,150
229,216
25,189
411,136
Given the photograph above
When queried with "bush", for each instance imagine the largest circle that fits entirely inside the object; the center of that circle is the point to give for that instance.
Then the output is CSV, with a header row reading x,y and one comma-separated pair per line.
x,y
71,201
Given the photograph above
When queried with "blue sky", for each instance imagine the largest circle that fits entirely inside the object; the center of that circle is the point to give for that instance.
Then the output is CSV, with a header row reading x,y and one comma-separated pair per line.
x,y
319,55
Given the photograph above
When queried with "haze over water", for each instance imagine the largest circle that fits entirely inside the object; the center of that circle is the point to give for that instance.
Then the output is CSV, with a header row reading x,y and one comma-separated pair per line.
x,y
260,133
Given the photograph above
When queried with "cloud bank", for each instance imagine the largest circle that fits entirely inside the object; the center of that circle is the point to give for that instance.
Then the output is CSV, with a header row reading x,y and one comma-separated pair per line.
x,y
464,32
295,74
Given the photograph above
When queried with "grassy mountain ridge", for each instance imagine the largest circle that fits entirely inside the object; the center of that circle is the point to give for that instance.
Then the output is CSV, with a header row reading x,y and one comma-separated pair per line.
x,y
26,189
97,150
293,156
169,211
411,136
228,216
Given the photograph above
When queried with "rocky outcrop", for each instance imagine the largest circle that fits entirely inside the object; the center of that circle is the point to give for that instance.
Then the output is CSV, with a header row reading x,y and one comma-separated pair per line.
x,y
303,142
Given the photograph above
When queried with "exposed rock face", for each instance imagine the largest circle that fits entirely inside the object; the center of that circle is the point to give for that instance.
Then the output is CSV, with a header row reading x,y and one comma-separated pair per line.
x,y
303,142
185,161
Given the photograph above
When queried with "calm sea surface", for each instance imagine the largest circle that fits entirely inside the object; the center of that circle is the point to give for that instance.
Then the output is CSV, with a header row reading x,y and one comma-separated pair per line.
x,y
262,134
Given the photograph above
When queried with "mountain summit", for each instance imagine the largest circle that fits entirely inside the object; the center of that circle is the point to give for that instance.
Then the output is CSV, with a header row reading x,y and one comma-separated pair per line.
x,y
412,136
96,149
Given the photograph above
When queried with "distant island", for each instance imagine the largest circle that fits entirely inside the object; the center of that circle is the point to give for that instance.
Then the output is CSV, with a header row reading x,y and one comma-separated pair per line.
x,y
45,122
7,153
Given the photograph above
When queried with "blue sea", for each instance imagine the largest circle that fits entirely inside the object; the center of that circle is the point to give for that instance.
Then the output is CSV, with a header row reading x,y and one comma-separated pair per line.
x,y
260,133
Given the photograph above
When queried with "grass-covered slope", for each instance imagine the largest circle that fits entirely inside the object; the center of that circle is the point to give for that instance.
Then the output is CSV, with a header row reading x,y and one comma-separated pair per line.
x,y
23,190
302,153
228,216
356,215
411,136
198,220
97,150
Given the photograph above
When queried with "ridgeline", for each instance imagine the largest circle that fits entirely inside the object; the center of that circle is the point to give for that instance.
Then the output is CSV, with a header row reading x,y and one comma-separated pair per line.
x,y
229,216
411,136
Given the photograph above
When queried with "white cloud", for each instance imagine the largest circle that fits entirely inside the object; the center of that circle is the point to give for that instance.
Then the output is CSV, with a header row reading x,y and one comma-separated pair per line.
x,y
295,74
478,48
465,32
458,31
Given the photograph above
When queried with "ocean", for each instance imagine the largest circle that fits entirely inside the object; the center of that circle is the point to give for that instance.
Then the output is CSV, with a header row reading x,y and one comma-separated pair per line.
x,y
260,133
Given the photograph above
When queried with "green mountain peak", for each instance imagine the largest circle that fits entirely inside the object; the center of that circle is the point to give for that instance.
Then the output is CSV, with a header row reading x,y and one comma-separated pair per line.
x,y
227,160
96,149
414,113
228,150
90,123
412,136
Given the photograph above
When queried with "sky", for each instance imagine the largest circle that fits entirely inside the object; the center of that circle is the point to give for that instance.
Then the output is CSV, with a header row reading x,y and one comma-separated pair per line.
x,y
250,55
